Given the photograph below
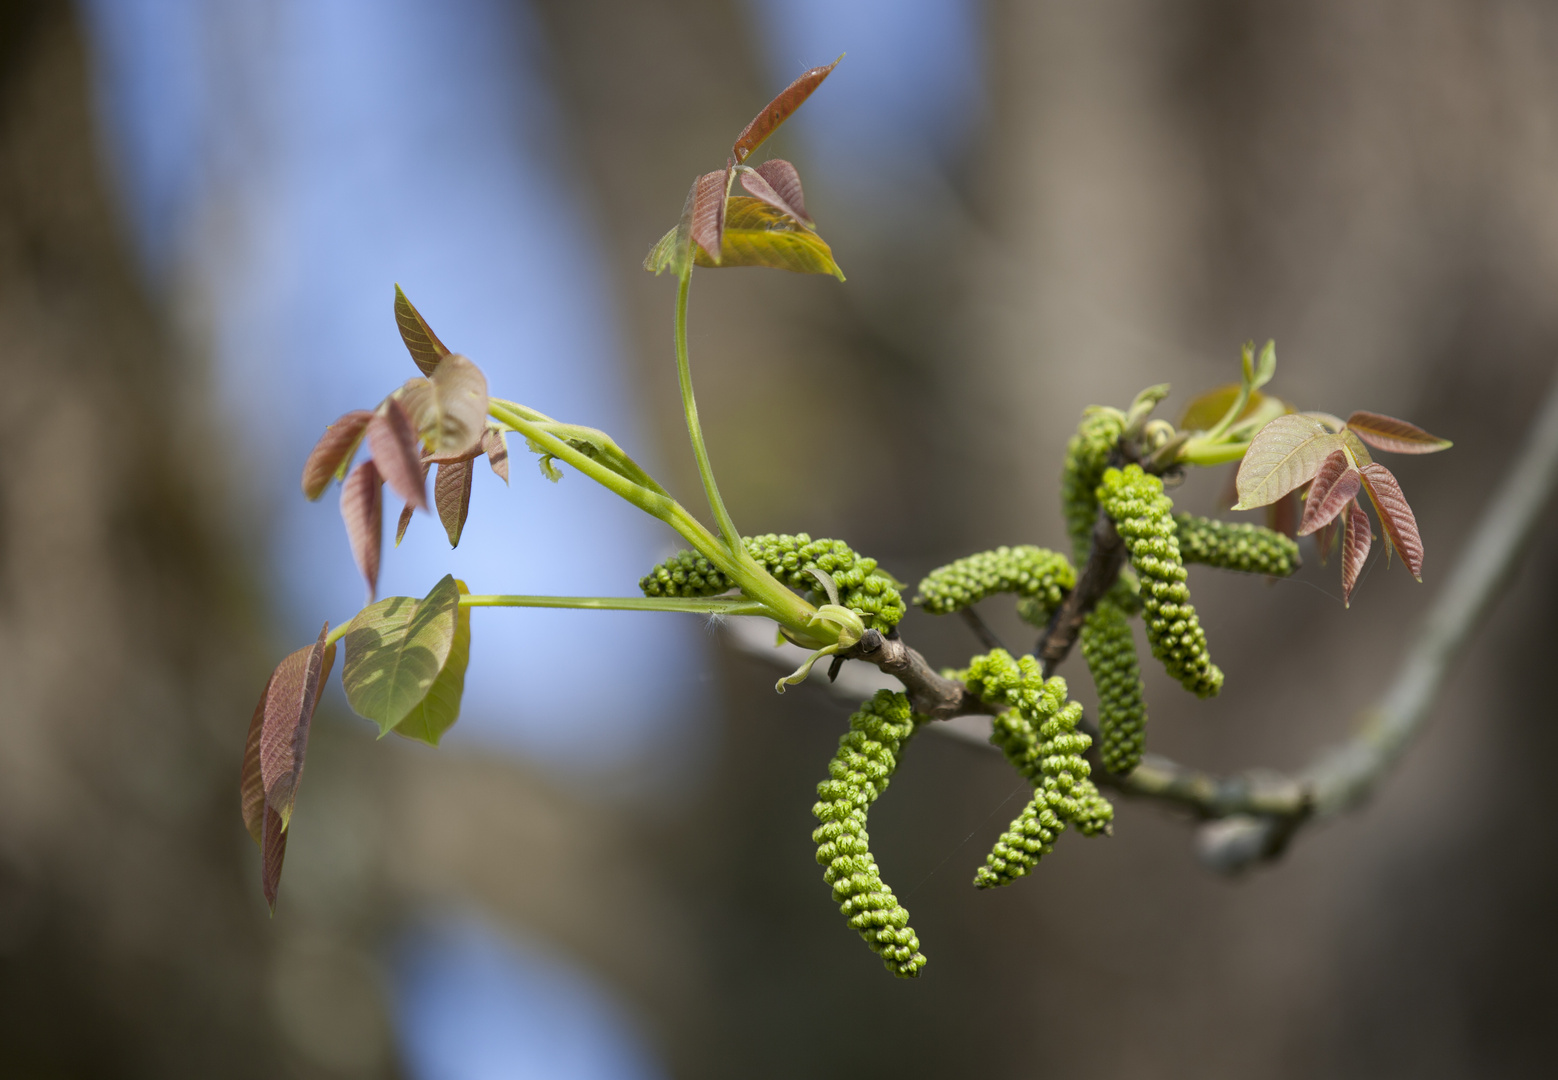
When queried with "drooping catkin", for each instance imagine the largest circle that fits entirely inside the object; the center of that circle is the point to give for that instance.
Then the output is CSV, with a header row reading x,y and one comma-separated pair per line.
x,y
1144,517
1233,545
1038,735
1087,455
866,759
1037,575
1110,651
862,587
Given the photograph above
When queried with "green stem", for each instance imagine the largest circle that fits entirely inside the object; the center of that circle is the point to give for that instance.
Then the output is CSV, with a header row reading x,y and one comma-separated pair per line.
x,y
694,429
694,605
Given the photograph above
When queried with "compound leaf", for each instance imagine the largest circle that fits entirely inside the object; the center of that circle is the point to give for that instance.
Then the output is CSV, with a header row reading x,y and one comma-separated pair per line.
x,y
426,350
440,707
779,110
1396,436
362,508
756,234
393,442
1286,454
333,452
395,650
1335,485
452,496
1395,516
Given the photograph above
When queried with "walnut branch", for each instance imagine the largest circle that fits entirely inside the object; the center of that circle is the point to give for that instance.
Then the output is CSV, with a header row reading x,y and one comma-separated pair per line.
x,y
1104,562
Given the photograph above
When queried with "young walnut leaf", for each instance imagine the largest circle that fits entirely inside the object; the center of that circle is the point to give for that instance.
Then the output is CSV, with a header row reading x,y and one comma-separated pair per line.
x,y
1395,516
708,212
787,200
425,348
333,452
495,445
449,410
756,234
274,849
779,110
1397,436
440,706
1356,540
1325,537
404,523
452,496
251,786
290,699
395,650
1335,485
393,443
1286,454
362,508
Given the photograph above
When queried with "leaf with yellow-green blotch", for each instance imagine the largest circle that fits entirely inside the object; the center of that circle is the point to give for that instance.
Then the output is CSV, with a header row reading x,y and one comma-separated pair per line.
x,y
1203,413
395,650
425,348
756,234
1284,455
440,706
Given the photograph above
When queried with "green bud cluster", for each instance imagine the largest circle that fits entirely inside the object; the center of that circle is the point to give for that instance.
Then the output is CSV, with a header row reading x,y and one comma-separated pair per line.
x,y
1231,545
1087,456
1037,575
862,587
858,774
1038,734
1144,516
1110,652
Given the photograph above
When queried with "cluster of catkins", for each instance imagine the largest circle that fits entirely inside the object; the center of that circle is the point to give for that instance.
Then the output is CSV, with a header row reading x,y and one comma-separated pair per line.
x,y
1037,725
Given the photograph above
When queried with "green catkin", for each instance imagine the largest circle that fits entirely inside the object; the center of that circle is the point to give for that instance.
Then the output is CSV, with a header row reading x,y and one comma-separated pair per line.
x,y
1039,576
870,592
1110,652
1144,516
858,774
1038,735
1087,455
1231,545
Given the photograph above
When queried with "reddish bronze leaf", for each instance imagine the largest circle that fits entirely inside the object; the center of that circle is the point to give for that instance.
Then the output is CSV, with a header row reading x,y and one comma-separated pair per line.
x,y
1334,486
452,496
251,787
393,440
362,508
1356,539
333,452
1395,516
760,186
1282,515
1397,436
426,350
404,523
786,182
708,212
778,110
289,712
274,847
1325,538
496,447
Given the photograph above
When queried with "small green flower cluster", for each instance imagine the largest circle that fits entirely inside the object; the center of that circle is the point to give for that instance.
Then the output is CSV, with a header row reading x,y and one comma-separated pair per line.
x,y
1231,545
1038,735
1144,516
1110,652
1035,574
1087,456
870,592
858,774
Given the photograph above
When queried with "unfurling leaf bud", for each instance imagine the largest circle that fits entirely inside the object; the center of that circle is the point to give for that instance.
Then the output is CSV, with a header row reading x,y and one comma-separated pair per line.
x,y
1232,545
866,759
1033,573
1110,652
1144,516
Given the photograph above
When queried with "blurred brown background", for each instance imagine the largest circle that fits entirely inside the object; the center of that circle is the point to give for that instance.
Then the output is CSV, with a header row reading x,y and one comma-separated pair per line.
x,y
1371,184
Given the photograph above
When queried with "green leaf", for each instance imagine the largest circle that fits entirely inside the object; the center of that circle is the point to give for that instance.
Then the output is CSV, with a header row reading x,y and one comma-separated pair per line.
x,y
1265,366
757,234
395,650
426,350
1203,413
779,110
449,409
440,708
1286,454
1397,436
